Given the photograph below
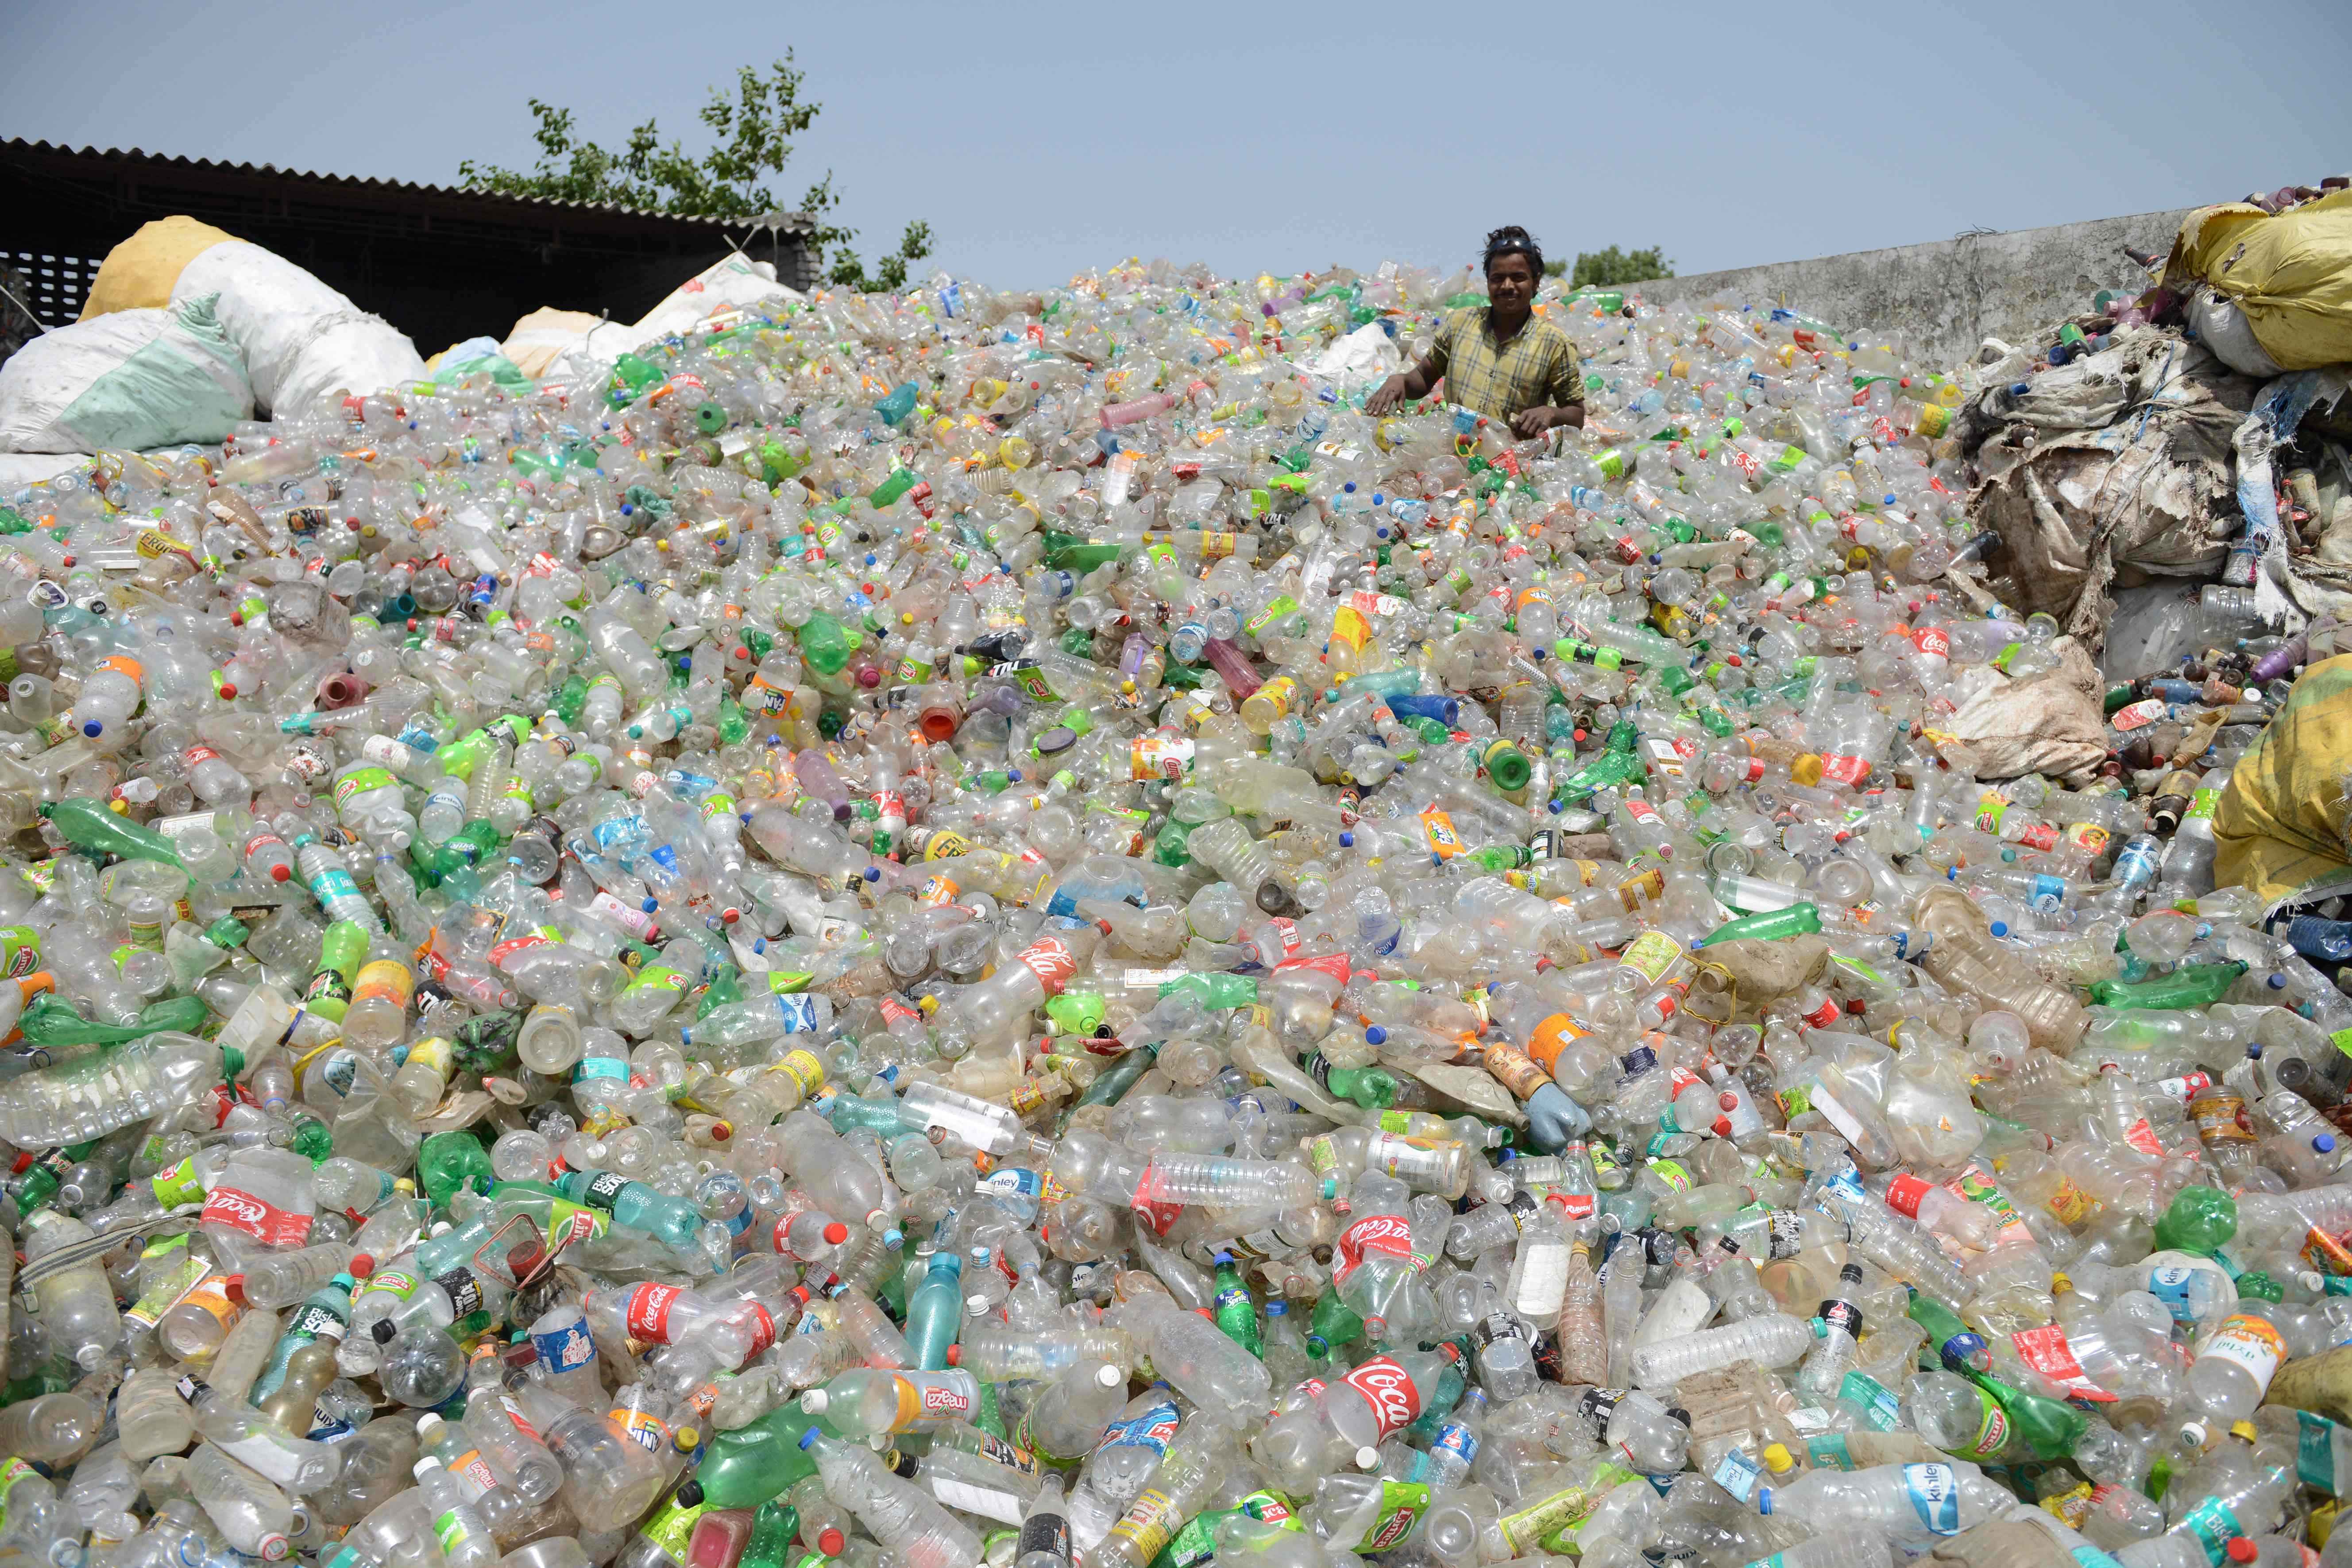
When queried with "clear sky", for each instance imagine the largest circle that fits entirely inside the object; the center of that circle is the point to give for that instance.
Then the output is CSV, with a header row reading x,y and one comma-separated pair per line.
x,y
1041,139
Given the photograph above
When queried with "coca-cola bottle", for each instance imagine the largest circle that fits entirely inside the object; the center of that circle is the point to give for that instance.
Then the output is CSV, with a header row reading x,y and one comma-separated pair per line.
x,y
1385,1395
1373,1265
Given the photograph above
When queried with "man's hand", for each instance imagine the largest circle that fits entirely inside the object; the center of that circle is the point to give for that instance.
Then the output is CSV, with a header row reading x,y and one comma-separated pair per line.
x,y
1532,422
1387,395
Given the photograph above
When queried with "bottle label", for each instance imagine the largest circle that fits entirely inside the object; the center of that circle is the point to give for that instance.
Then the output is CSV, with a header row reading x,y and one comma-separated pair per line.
x,y
464,1290
1153,1428
1388,1388
1157,756
1737,1475
2169,1285
1935,1492
1386,1234
1045,1533
1051,960
2045,1350
360,781
1651,954
256,1218
2220,1117
178,1185
1459,1443
2214,1526
1904,1193
1147,1523
1402,1503
566,1348
387,980
647,1431
603,1190
648,1312
2314,1454
2250,1344
1879,1407
1828,1451
1992,1429
1784,1234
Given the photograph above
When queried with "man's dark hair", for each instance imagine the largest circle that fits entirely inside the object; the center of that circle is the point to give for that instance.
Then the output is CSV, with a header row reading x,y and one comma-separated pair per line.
x,y
1512,240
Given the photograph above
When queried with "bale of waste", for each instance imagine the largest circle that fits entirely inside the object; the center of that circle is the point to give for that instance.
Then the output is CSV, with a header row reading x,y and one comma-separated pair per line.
x,y
731,283
127,379
2289,273
540,337
138,273
2279,826
2122,459
2049,724
301,340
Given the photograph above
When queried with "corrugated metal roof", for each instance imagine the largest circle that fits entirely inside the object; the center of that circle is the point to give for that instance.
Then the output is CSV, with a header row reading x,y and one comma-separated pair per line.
x,y
800,222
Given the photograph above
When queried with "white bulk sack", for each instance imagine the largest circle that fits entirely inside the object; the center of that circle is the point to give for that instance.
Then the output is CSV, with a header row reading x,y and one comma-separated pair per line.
x,y
129,379
302,341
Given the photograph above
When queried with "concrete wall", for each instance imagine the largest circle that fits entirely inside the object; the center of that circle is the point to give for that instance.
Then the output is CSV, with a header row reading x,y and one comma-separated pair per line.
x,y
1945,298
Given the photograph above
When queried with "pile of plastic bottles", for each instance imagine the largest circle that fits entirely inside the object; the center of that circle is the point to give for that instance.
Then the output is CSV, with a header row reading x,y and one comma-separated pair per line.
x,y
982,927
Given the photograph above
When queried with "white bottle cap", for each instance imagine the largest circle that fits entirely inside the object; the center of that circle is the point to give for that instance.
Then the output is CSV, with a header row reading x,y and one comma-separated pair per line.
x,y
273,1548
1368,1459
815,1400
1108,1377
427,1463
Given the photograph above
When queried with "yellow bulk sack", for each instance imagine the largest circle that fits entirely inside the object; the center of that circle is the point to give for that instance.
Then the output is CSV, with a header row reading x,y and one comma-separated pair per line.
x,y
138,273
2279,826
2290,273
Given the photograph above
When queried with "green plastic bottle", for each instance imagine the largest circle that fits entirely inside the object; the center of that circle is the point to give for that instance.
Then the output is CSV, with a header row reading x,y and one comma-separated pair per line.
x,y
49,1022
1111,1085
448,1161
772,1529
2200,1220
95,830
1236,1310
2199,985
824,646
1772,925
1217,992
886,494
2049,1425
1334,1323
1374,1089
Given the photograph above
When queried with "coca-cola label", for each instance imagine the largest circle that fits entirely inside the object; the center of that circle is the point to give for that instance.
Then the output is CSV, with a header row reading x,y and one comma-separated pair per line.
x,y
1051,960
256,1218
1904,1193
764,1331
648,1313
1389,1234
1933,642
1150,1208
1388,1388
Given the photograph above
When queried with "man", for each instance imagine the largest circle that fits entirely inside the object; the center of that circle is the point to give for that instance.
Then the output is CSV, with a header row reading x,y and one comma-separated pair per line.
x,y
1500,361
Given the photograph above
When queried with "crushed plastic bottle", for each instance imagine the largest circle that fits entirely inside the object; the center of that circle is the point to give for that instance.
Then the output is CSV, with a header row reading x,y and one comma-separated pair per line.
x,y
972,927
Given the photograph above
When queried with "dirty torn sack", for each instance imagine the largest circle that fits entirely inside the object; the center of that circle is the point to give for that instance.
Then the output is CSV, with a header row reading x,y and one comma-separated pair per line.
x,y
2121,459
2049,724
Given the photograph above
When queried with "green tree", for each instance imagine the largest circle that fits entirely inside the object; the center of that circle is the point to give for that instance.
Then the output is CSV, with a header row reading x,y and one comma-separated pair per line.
x,y
754,131
1613,266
